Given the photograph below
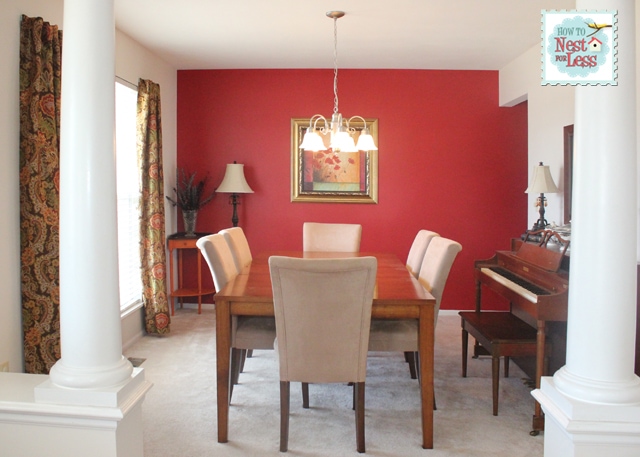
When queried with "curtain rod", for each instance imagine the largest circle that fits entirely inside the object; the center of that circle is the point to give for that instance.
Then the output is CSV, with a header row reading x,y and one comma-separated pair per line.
x,y
128,82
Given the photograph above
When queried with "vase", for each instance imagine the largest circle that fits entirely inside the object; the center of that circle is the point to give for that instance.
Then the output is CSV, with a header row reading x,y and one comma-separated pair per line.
x,y
189,218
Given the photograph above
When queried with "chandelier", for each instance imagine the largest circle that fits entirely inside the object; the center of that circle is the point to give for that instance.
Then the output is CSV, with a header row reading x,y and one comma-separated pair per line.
x,y
339,129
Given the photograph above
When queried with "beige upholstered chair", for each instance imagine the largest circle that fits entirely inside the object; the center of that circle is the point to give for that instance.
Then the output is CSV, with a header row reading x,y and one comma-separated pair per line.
x,y
401,335
242,257
418,248
247,332
217,253
323,318
414,262
239,246
318,236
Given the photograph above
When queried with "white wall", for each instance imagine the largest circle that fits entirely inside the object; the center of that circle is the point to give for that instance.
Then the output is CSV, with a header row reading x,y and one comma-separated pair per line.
x,y
550,108
132,62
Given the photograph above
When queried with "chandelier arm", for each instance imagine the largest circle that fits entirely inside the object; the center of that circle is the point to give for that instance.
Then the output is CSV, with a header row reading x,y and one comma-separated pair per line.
x,y
358,117
314,121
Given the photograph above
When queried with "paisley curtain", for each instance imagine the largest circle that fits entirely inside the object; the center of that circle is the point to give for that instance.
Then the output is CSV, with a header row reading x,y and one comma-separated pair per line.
x,y
152,235
40,71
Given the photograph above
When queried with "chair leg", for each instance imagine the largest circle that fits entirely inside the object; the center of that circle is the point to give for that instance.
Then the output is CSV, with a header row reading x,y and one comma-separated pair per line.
x,y
506,367
359,393
249,353
465,349
243,357
411,360
305,395
353,395
495,375
234,370
284,415
236,362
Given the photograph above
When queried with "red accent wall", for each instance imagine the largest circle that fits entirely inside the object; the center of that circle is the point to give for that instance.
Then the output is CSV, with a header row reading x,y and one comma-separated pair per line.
x,y
449,158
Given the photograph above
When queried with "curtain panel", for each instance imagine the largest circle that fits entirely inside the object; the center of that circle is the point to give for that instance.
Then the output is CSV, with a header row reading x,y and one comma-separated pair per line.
x,y
152,234
40,72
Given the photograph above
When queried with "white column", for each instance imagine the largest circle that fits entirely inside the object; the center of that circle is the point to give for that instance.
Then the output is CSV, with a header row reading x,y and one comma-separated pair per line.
x,y
91,404
602,295
90,326
593,402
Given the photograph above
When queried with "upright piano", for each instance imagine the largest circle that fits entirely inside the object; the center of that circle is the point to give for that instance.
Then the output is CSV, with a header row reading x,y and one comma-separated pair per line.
x,y
534,278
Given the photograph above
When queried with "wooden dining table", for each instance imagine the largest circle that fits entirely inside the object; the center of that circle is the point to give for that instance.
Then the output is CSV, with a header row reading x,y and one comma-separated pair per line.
x,y
397,295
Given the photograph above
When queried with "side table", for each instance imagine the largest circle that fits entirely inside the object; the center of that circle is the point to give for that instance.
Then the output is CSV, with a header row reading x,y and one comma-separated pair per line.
x,y
180,242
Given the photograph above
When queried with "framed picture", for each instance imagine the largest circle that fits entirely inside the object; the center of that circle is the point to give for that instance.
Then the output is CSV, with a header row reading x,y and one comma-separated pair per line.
x,y
333,177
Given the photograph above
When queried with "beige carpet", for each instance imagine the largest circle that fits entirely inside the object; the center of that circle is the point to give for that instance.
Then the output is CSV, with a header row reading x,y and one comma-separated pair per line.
x,y
180,410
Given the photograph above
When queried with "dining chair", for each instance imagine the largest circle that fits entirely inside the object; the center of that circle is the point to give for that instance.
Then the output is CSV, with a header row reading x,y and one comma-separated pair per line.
x,y
317,236
401,335
323,318
414,261
239,246
241,252
417,250
247,332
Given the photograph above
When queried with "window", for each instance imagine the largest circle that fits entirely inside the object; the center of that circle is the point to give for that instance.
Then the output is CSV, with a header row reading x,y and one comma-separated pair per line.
x,y
128,191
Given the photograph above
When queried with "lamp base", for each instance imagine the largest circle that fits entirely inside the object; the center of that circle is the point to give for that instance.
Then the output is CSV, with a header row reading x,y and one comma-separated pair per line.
x,y
540,224
234,199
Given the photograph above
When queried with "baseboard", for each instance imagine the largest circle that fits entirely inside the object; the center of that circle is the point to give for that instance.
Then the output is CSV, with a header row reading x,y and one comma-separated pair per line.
x,y
195,306
448,312
132,328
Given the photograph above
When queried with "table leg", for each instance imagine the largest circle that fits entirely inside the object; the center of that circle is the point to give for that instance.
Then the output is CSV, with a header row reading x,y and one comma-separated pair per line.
x,y
180,274
199,282
426,338
171,289
223,347
538,416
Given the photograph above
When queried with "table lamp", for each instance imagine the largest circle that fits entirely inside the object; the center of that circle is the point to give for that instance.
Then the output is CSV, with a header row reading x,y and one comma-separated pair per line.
x,y
234,183
541,183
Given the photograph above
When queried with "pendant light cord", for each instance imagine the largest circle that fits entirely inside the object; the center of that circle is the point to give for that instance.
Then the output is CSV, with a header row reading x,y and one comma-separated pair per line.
x,y
335,65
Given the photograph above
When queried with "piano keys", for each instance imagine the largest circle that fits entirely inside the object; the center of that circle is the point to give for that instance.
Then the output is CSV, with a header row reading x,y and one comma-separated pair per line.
x,y
534,280
522,287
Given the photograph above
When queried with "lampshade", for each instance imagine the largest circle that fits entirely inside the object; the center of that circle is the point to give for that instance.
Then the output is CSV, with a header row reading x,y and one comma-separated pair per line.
x,y
312,141
365,141
234,181
541,182
342,141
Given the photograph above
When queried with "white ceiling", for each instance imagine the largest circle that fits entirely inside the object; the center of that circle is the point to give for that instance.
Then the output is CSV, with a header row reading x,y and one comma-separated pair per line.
x,y
398,34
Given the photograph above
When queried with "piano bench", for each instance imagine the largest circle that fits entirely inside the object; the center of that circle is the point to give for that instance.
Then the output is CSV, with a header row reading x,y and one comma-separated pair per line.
x,y
503,335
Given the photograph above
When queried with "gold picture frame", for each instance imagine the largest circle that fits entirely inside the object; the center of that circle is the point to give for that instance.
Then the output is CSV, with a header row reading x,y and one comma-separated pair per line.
x,y
333,178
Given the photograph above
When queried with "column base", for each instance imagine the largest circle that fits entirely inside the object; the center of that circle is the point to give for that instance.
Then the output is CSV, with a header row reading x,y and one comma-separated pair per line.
x,y
73,377
574,428
39,418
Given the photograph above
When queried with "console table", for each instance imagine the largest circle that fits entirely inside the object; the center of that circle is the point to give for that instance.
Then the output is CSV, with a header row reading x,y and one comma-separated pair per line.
x,y
181,242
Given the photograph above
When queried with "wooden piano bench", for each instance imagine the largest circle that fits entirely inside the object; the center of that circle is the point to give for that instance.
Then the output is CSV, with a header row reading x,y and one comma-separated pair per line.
x,y
502,335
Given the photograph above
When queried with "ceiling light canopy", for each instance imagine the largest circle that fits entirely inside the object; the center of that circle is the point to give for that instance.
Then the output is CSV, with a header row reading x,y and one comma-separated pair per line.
x,y
341,133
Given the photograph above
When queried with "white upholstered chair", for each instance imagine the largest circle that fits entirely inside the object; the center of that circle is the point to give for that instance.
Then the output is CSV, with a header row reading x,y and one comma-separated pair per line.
x,y
242,257
414,262
247,332
239,246
323,318
218,256
318,236
401,335
417,250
